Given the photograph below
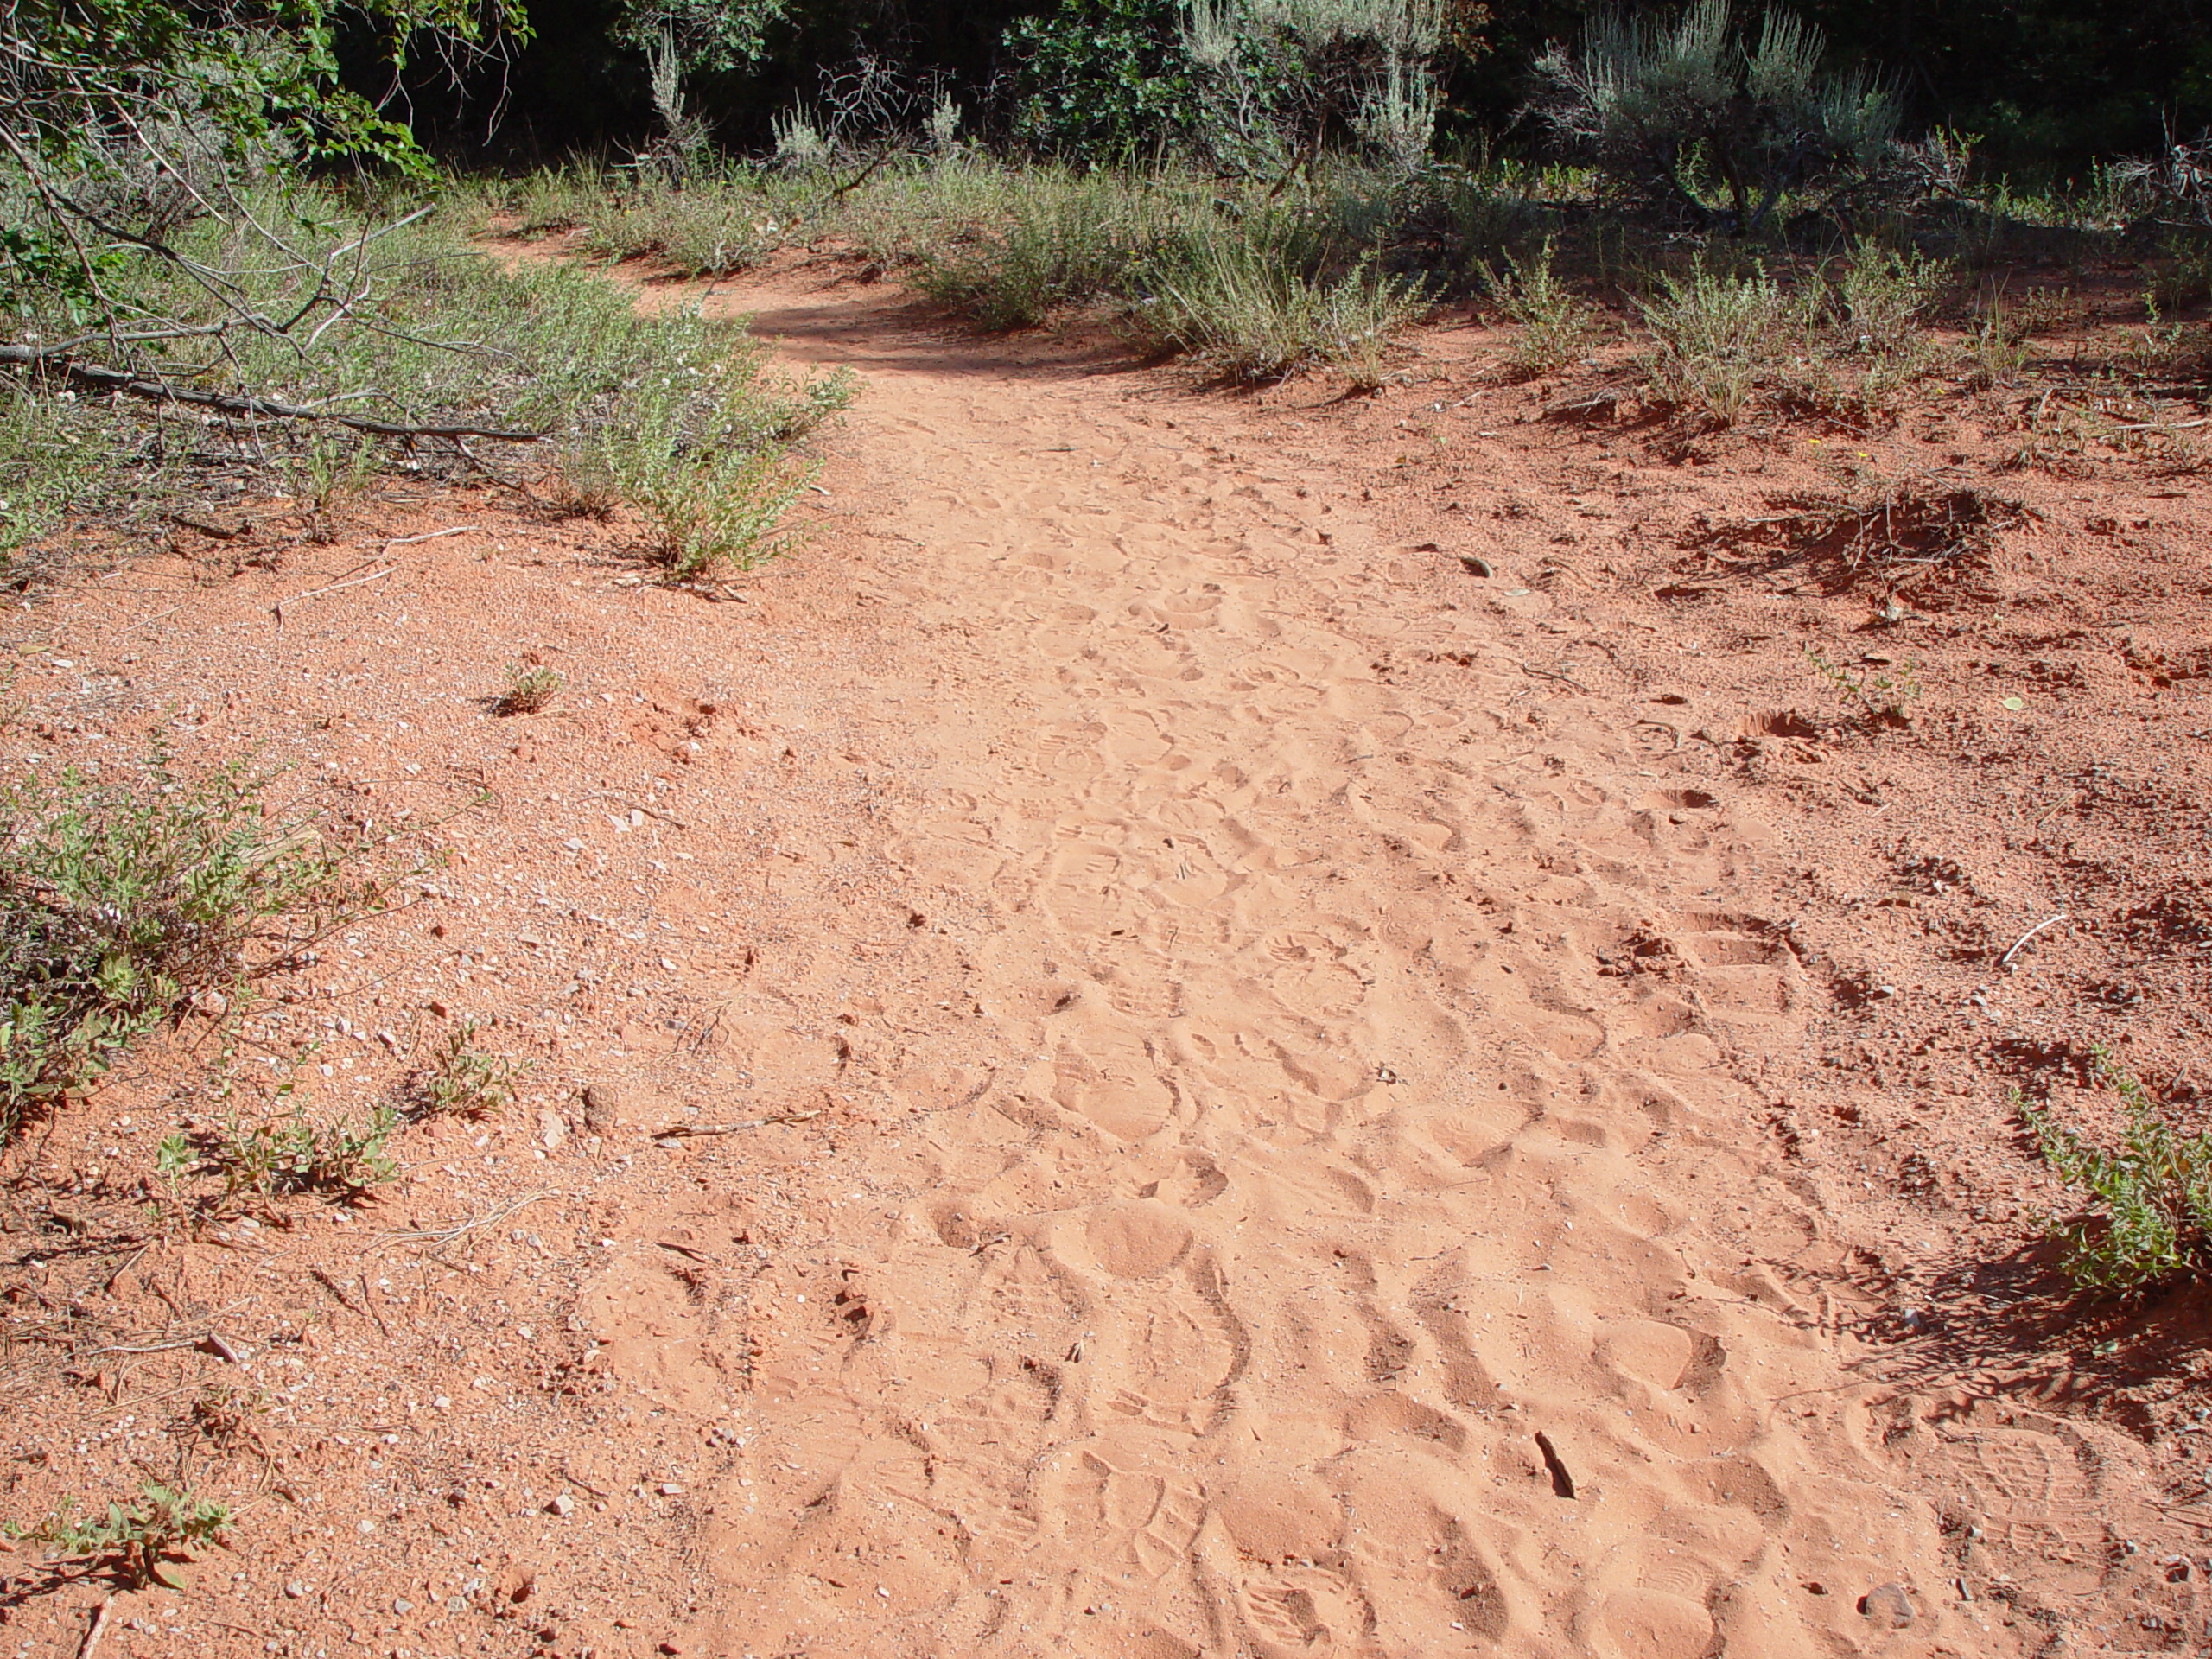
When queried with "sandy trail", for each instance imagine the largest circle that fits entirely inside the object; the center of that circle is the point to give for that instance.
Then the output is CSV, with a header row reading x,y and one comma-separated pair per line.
x,y
1311,1249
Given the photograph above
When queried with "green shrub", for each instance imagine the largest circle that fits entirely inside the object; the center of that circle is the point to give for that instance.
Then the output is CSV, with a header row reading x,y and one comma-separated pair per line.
x,y
1244,300
531,689
1884,299
1695,116
2149,1197
123,902
1102,79
463,1080
288,1155
446,334
135,1538
1060,237
1717,337
1553,328
705,457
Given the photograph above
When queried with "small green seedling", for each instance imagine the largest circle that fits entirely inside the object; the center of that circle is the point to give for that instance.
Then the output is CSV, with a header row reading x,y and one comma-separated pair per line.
x,y
464,1081
529,689
1881,698
136,1538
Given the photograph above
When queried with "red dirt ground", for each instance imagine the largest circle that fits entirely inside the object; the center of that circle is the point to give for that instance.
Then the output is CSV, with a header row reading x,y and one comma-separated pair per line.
x,y
1105,868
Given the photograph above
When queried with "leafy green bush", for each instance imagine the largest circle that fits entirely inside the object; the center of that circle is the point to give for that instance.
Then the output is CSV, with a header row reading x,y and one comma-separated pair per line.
x,y
1102,80
2149,1197
121,903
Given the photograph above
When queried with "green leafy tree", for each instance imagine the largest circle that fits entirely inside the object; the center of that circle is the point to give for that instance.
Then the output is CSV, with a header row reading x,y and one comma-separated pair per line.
x,y
1102,79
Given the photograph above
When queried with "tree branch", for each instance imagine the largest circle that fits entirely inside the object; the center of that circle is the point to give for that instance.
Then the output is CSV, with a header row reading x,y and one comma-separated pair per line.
x,y
98,378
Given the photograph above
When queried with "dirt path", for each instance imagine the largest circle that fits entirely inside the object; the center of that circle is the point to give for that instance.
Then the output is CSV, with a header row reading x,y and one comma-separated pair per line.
x,y
1311,1249
1233,1034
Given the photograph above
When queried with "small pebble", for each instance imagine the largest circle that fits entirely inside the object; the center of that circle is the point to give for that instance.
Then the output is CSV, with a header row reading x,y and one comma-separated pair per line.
x,y
401,1604
295,1590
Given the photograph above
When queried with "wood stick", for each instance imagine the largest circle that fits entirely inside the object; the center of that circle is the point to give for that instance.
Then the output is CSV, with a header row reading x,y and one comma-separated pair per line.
x,y
100,378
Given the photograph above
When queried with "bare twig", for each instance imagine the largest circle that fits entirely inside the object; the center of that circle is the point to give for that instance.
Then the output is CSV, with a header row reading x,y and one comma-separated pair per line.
x,y
277,609
1553,674
2005,961
445,1235
94,1631
427,535
686,1130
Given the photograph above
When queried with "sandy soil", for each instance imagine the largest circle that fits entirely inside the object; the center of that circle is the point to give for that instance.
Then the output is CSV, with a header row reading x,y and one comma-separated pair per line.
x,y
1290,1096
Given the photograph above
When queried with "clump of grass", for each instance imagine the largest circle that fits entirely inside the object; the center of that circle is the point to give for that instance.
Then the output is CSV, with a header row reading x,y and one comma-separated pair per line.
x,y
137,1538
1552,326
715,221
1997,351
122,902
531,689
1245,301
1050,237
1716,337
465,1081
2149,1197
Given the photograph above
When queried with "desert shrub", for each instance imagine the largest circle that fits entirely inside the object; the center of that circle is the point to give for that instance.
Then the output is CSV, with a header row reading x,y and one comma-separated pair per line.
x,y
1278,78
2148,1195
532,688
1883,299
1250,300
1553,327
446,335
1062,236
462,1080
703,452
1716,337
290,1155
1695,115
134,1538
123,902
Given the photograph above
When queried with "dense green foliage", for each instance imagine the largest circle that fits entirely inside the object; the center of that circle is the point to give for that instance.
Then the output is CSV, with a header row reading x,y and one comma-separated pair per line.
x,y
1106,79
2047,84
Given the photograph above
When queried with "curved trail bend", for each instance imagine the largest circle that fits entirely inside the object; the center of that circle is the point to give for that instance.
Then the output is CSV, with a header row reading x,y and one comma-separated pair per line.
x,y
1293,1211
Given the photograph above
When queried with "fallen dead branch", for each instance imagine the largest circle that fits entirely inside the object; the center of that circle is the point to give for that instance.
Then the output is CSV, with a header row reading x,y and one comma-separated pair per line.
x,y
96,378
681,1131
